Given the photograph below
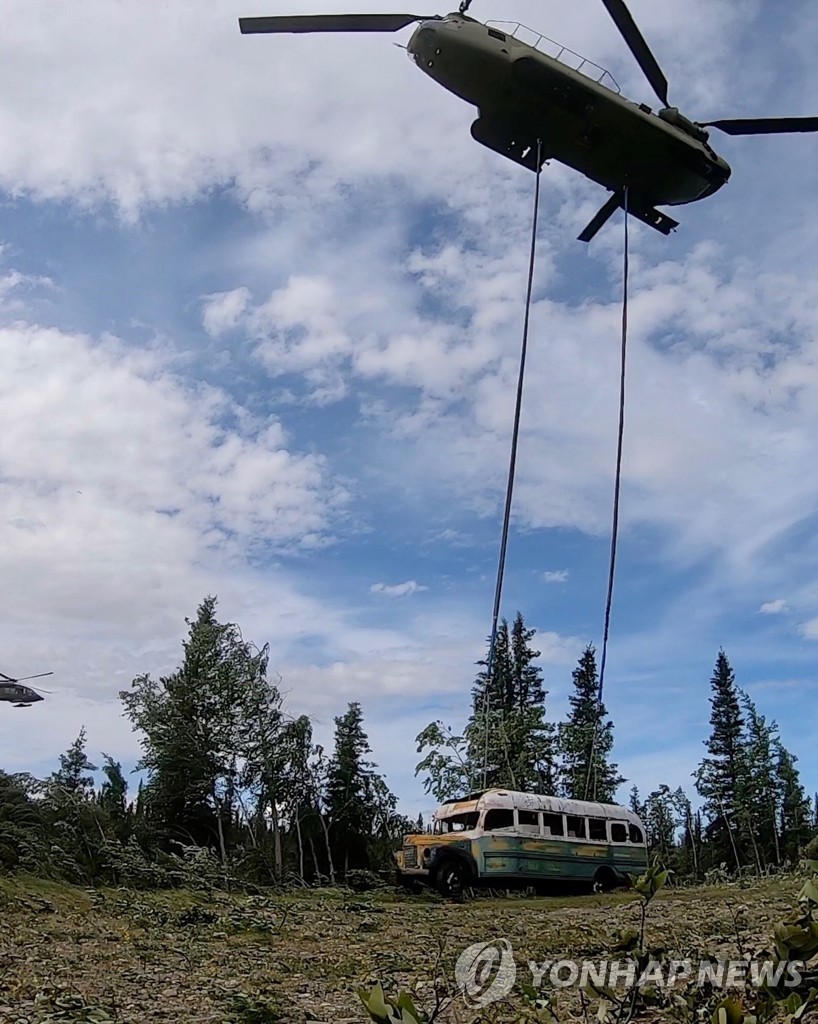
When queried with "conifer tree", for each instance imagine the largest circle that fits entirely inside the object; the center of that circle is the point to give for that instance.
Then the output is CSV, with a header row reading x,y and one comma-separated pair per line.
x,y
719,776
793,803
488,731
586,739
510,742
74,763
756,799
353,792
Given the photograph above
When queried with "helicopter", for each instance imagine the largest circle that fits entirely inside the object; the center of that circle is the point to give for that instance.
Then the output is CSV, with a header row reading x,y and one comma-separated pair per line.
x,y
20,696
534,108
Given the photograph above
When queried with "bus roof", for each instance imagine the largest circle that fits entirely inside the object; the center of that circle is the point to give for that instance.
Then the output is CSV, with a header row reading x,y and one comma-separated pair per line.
x,y
536,802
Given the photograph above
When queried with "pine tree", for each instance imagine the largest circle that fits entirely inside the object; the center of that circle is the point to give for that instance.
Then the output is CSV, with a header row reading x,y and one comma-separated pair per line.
x,y
487,733
510,743
718,777
532,737
74,763
793,803
586,739
348,796
755,808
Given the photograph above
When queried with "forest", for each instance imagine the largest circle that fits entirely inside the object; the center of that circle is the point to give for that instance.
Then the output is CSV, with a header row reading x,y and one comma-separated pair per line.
x,y
235,790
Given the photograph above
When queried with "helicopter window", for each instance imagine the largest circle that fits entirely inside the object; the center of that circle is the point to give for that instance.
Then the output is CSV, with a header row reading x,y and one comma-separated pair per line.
x,y
497,35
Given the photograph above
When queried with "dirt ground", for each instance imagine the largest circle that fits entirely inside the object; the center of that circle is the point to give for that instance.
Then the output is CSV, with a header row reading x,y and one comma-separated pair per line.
x,y
69,954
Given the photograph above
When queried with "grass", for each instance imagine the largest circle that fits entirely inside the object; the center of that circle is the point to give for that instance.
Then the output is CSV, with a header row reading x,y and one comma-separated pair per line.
x,y
69,954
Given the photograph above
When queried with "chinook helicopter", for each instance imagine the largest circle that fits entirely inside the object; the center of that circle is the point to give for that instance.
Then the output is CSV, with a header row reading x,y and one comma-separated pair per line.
x,y
534,107
20,696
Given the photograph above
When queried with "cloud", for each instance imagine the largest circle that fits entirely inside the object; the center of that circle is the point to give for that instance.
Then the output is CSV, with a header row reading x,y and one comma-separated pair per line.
x,y
809,630
397,589
555,576
324,376
222,311
774,607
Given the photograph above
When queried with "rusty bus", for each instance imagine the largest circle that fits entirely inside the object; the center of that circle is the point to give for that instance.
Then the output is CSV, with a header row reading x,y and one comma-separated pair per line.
x,y
507,839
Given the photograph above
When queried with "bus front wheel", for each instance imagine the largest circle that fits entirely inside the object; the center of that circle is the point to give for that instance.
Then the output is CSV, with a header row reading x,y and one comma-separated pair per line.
x,y
451,879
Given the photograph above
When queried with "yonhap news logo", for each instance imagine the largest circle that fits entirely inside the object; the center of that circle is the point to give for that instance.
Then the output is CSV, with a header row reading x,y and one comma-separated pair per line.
x,y
485,972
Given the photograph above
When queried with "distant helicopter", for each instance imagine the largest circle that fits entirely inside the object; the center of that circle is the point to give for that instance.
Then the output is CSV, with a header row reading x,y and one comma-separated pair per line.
x,y
21,696
534,107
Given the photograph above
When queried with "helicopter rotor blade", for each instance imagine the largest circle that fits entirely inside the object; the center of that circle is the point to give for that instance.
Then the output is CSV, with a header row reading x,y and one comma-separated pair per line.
x,y
40,675
623,19
764,125
329,23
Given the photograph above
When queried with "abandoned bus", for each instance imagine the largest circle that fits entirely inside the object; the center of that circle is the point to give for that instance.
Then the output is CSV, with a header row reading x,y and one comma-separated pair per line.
x,y
507,839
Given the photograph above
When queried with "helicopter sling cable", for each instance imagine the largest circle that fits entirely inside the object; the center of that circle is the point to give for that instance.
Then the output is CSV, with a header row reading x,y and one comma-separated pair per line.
x,y
591,780
501,567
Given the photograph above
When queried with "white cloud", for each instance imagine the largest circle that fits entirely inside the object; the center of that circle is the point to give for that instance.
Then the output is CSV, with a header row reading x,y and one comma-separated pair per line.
x,y
379,267
397,589
809,630
774,607
555,576
222,311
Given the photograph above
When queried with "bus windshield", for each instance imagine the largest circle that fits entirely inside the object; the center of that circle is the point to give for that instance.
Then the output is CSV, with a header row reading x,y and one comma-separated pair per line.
x,y
457,822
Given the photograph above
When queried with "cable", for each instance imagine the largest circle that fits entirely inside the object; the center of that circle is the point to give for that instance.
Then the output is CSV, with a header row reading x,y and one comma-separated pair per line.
x,y
617,482
513,460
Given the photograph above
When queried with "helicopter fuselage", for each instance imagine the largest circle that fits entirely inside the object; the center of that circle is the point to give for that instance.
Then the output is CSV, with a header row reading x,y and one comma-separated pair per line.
x,y
20,696
523,95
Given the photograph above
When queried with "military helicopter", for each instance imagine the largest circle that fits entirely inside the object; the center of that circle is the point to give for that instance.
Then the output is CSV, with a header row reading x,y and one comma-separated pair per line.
x,y
21,696
534,107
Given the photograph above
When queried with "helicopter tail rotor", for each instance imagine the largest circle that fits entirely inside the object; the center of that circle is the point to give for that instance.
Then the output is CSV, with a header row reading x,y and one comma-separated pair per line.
x,y
331,23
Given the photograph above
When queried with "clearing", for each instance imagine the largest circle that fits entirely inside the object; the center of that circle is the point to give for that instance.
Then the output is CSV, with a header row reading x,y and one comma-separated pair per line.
x,y
71,954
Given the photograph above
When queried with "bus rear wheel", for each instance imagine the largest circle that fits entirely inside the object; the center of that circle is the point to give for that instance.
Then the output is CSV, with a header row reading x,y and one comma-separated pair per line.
x,y
451,879
604,880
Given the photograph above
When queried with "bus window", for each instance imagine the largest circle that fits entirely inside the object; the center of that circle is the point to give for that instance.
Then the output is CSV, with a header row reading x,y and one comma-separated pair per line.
x,y
528,821
597,829
636,834
619,832
457,822
553,824
498,818
576,827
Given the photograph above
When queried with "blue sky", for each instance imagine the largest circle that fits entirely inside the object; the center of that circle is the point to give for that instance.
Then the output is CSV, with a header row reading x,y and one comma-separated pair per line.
x,y
260,312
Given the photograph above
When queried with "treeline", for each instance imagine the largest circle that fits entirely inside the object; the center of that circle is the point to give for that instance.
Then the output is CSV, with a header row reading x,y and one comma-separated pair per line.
x,y
752,813
236,788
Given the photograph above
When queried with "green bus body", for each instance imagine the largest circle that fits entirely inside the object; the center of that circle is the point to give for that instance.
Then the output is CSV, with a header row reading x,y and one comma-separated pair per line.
x,y
524,839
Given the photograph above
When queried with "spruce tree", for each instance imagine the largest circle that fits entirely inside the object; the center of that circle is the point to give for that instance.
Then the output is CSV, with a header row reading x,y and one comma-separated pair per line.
x,y
349,803
756,801
74,763
531,736
510,743
586,739
719,776
793,803
488,730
